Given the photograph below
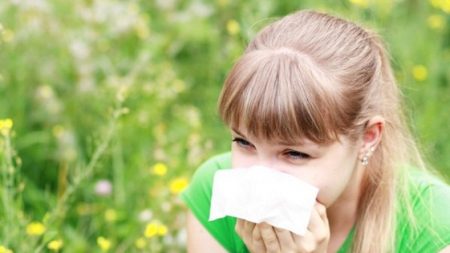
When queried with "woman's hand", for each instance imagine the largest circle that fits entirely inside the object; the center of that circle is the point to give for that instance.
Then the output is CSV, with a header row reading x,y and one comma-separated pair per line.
x,y
263,237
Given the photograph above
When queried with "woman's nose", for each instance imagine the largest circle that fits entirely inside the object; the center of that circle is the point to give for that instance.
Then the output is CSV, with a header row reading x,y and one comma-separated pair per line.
x,y
269,162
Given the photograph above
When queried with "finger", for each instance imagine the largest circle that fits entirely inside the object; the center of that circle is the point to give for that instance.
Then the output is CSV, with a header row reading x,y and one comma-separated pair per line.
x,y
285,239
306,243
318,225
250,235
257,241
325,232
322,210
269,237
239,226
248,228
318,218
314,221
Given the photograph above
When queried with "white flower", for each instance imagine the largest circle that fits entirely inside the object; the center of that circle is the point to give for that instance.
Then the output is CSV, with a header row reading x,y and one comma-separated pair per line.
x,y
182,237
103,187
79,49
165,4
44,93
34,5
200,9
45,96
146,215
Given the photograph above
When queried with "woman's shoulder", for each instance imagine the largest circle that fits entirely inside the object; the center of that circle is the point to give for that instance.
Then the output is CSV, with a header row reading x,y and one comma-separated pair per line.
x,y
430,203
430,194
428,191
425,178
208,168
197,197
203,176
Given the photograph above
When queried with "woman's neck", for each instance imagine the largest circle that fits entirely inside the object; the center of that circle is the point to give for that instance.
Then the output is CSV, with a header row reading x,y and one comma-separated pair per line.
x,y
343,212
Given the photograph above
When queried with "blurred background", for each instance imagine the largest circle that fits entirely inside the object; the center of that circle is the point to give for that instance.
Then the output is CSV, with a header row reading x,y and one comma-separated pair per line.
x,y
108,106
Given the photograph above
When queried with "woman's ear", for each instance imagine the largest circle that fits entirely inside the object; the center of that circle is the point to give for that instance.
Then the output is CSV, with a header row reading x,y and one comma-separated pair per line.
x,y
371,137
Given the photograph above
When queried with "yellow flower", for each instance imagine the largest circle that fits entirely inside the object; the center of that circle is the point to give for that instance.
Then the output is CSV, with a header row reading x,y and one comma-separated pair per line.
x,y
420,72
7,35
35,229
444,5
103,243
178,185
151,230
58,131
5,126
141,28
162,230
233,27
155,229
110,215
140,243
55,245
223,3
436,3
436,22
360,3
3,249
159,169
179,85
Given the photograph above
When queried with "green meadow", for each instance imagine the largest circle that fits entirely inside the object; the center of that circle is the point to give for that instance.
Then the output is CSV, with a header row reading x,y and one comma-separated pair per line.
x,y
107,107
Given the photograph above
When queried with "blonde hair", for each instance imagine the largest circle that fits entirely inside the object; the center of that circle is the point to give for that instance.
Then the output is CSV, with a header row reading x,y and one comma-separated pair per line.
x,y
316,76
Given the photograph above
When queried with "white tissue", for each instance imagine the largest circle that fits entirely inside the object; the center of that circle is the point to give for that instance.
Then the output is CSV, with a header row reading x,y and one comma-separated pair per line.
x,y
260,194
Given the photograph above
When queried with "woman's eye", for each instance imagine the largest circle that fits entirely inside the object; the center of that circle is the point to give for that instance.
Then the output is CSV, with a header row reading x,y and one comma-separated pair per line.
x,y
297,155
243,143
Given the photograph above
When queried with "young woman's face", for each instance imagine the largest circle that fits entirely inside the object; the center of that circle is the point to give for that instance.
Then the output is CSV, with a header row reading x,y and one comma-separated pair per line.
x,y
330,168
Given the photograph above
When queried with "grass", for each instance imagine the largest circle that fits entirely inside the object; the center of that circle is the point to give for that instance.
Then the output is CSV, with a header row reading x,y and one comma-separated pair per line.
x,y
113,106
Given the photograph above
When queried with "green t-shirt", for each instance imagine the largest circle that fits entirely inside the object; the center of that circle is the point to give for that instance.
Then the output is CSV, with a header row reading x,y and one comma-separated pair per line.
x,y
431,206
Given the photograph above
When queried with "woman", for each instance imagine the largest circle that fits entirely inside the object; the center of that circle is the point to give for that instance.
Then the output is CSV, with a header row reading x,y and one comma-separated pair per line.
x,y
314,96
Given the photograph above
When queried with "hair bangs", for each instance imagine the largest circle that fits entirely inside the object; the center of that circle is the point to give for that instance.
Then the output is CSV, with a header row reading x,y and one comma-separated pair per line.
x,y
280,95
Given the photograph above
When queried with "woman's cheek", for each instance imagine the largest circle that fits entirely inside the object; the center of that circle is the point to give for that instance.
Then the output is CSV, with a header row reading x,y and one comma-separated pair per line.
x,y
239,160
326,195
329,194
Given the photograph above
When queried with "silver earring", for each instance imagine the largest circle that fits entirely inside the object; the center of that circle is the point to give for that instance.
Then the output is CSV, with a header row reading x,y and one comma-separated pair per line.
x,y
365,159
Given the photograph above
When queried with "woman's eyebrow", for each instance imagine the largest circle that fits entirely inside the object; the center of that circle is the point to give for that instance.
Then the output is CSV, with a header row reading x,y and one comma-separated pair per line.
x,y
287,143
235,130
300,143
